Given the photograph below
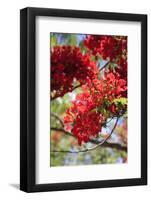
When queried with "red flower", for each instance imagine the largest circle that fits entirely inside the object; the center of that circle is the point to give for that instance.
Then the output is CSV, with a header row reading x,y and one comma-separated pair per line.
x,y
68,119
87,125
112,108
106,46
85,116
69,65
95,103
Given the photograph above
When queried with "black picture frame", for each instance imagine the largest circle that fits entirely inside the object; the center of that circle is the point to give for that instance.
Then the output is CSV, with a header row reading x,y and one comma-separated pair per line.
x,y
28,99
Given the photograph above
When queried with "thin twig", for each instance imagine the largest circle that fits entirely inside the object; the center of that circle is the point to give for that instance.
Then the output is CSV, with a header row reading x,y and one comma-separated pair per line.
x,y
104,65
61,130
58,118
77,86
106,122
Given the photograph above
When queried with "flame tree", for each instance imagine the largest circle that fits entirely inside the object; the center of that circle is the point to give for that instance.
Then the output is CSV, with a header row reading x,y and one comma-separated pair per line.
x,y
89,81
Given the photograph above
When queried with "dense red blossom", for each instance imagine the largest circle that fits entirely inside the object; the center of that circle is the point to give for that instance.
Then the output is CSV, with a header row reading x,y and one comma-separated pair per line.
x,y
68,65
106,46
82,118
86,125
116,86
89,103
96,102
109,87
121,75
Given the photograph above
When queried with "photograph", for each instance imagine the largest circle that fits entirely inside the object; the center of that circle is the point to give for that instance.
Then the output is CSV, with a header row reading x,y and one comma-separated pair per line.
x,y
83,99
88,99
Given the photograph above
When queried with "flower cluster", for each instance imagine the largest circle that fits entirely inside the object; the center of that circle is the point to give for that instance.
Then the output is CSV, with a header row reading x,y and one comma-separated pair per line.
x,y
69,65
102,93
85,117
112,47
106,46
82,119
87,125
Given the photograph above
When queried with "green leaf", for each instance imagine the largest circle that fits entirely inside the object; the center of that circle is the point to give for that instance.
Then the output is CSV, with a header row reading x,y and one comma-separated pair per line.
x,y
122,100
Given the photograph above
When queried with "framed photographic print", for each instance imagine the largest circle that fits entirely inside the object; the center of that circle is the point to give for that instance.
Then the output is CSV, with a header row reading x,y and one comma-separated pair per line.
x,y
83,95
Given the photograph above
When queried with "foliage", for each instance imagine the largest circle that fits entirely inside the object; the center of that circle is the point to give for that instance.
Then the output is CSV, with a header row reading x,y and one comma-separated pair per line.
x,y
88,92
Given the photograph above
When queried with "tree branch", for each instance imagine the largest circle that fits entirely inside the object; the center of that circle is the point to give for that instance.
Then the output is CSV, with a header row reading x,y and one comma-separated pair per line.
x,y
61,130
115,146
58,118
104,65
103,142
77,86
